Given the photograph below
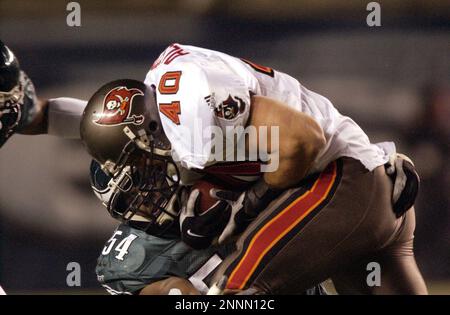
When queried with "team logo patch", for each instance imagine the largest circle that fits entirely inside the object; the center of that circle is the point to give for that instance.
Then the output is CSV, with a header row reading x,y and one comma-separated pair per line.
x,y
230,108
117,108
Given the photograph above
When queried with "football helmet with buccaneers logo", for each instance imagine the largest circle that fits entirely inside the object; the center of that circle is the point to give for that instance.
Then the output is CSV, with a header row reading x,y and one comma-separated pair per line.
x,y
134,174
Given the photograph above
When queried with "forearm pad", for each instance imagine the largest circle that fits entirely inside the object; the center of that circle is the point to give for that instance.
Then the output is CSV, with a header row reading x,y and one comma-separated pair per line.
x,y
64,116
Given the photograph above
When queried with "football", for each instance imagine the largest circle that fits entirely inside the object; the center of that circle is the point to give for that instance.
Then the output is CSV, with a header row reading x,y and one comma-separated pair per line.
x,y
205,200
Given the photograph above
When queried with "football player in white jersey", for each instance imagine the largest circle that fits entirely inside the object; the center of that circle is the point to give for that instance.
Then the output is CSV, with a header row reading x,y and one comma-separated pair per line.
x,y
332,196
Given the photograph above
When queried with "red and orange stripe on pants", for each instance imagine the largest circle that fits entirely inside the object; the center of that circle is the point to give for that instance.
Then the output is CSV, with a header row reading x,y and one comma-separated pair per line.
x,y
274,232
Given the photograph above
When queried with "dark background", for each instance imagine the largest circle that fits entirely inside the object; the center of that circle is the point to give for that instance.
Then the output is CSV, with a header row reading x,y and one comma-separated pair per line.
x,y
393,80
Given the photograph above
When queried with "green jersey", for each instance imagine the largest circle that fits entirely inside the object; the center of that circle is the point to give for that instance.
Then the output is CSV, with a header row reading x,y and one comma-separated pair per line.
x,y
133,259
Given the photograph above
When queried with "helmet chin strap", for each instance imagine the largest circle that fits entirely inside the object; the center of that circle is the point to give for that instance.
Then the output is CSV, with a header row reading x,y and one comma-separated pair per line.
x,y
143,142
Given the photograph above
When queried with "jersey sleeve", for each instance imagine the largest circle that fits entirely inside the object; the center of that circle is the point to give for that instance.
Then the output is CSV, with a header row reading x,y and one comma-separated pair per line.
x,y
64,117
201,108
132,259
118,272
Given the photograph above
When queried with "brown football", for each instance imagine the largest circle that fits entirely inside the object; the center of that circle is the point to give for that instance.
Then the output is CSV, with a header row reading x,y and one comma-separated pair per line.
x,y
205,200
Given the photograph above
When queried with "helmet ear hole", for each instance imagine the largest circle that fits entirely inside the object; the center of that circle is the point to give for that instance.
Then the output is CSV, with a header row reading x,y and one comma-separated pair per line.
x,y
153,126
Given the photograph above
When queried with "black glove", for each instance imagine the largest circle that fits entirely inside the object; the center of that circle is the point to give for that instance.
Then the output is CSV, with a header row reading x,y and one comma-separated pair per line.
x,y
245,207
200,230
406,182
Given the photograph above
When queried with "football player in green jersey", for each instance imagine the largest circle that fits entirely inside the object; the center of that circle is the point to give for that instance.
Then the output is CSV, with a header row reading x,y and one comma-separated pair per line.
x,y
135,261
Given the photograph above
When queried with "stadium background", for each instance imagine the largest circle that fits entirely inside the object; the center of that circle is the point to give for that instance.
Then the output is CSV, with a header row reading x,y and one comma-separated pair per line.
x,y
393,80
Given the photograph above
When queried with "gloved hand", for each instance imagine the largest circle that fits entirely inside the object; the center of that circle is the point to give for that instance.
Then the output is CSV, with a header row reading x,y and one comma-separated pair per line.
x,y
406,182
200,230
245,206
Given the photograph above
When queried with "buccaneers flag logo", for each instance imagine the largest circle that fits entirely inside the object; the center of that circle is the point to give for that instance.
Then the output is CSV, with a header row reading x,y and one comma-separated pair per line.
x,y
117,107
230,108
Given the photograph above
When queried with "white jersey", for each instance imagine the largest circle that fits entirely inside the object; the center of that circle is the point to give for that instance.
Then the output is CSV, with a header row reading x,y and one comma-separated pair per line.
x,y
197,89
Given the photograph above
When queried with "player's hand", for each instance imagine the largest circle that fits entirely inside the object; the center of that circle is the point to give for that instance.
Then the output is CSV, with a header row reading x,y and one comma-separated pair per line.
x,y
245,207
406,182
198,230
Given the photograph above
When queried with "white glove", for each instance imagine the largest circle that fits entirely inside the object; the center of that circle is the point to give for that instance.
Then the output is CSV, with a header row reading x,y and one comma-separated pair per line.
x,y
406,182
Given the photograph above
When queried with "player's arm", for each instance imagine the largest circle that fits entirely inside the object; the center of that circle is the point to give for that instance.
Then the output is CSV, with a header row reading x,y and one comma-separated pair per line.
x,y
300,140
58,116
172,285
39,124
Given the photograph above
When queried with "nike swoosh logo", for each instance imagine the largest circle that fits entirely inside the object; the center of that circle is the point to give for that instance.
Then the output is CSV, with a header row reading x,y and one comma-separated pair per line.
x,y
193,234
